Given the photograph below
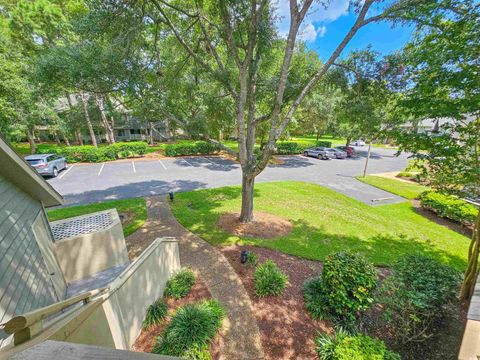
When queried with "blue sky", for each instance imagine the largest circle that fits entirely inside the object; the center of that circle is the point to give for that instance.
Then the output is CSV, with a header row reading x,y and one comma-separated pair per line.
x,y
324,28
381,36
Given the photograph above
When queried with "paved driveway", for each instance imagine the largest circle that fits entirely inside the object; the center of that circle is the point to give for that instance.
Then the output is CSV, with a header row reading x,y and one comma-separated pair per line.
x,y
133,178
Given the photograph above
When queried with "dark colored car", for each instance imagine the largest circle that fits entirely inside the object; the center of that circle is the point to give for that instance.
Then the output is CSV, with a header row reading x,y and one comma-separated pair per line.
x,y
348,149
47,164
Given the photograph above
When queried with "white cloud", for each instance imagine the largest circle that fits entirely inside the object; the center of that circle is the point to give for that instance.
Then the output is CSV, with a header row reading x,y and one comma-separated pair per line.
x,y
317,14
321,31
309,33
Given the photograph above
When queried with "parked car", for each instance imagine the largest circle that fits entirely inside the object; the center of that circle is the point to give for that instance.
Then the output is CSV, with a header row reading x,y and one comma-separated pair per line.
x,y
348,149
47,164
320,152
358,143
339,154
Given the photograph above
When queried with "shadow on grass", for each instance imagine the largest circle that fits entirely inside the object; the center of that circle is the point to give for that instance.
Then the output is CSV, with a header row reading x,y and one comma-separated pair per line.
x,y
312,242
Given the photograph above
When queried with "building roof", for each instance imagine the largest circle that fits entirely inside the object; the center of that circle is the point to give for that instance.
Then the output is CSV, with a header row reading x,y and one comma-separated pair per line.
x,y
15,169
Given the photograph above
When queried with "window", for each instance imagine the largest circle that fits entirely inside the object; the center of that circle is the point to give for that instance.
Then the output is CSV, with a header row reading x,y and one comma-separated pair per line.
x,y
121,132
35,161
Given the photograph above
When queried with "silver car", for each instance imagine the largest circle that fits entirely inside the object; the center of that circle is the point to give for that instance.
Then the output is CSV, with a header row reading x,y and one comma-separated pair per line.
x,y
339,154
320,152
47,164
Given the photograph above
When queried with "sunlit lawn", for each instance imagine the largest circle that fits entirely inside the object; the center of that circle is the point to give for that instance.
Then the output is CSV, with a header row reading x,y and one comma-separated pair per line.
x,y
137,208
325,221
398,187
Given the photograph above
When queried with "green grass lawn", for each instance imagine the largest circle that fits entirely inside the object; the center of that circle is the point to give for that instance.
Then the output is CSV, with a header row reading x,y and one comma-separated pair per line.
x,y
325,221
137,207
397,187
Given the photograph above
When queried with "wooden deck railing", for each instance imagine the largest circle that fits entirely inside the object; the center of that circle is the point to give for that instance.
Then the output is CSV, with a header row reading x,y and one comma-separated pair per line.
x,y
25,326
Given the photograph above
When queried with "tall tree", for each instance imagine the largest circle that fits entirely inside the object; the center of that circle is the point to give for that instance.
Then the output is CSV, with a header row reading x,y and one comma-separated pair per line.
x,y
442,65
230,40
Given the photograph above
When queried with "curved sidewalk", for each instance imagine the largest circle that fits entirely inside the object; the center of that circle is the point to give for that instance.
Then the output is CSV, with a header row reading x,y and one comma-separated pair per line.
x,y
241,338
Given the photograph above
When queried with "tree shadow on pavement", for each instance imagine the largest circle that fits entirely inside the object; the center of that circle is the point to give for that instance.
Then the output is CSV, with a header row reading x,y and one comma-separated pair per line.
x,y
132,190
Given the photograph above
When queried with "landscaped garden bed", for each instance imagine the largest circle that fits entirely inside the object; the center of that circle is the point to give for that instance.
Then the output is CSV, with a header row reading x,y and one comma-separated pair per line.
x,y
325,223
179,300
289,330
286,329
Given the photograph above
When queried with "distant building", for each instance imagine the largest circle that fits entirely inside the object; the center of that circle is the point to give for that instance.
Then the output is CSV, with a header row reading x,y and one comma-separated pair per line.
x,y
429,126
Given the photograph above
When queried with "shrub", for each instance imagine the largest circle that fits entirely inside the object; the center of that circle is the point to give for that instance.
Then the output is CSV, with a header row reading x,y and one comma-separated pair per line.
x,y
192,328
179,284
252,259
288,148
415,295
191,148
155,313
449,206
89,153
327,144
343,346
345,287
314,297
406,174
269,279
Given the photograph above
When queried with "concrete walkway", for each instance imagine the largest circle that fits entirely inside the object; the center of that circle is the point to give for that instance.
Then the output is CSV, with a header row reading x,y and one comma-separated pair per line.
x,y
241,338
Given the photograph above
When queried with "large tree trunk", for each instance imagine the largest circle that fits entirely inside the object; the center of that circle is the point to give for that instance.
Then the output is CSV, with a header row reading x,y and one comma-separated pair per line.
x,y
106,124
471,273
78,136
248,182
87,120
65,139
31,140
57,139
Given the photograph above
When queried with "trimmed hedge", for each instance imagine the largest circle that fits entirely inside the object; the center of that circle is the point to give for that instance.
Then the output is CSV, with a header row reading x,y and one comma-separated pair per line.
x,y
199,147
327,144
89,153
449,207
293,148
289,148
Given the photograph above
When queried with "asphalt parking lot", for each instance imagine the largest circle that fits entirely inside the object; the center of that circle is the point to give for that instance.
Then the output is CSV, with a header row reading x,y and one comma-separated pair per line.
x,y
85,183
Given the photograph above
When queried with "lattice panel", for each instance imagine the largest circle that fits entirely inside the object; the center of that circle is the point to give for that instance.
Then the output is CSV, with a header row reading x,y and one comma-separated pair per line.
x,y
83,225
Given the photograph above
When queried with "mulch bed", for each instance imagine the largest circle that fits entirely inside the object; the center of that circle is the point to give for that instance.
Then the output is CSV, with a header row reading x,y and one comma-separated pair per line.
x,y
147,338
288,332
286,329
264,225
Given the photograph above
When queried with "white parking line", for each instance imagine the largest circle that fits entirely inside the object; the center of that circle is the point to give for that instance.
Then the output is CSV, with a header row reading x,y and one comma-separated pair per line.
x,y
101,168
163,165
187,162
133,165
66,171
209,161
